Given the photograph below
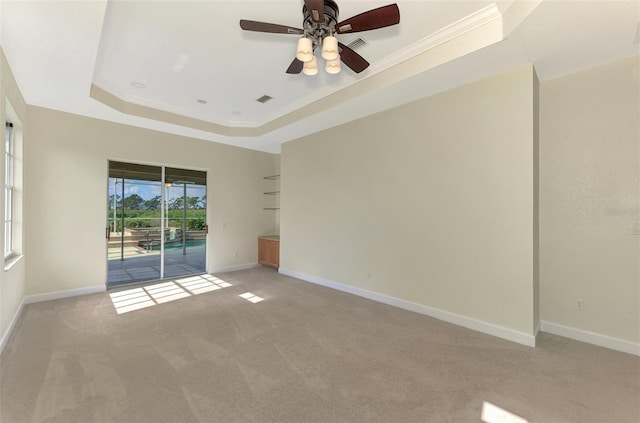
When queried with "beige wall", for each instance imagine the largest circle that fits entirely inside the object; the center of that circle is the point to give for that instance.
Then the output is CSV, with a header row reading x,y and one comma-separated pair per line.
x,y
590,200
12,281
430,203
66,176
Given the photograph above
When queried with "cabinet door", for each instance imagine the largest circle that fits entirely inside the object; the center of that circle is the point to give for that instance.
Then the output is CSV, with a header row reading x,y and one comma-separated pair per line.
x,y
269,252
274,253
263,251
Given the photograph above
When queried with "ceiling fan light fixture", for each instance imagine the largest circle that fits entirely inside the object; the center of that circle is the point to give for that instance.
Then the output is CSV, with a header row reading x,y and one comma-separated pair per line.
x,y
330,48
310,67
305,49
320,24
333,66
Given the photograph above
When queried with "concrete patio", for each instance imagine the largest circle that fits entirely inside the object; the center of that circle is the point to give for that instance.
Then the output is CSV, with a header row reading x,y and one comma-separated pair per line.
x,y
141,265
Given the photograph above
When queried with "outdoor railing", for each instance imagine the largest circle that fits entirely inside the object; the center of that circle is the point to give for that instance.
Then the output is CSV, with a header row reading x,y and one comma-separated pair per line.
x,y
193,223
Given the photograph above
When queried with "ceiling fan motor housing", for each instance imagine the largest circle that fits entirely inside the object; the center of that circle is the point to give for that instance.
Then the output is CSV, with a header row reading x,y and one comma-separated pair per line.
x,y
316,30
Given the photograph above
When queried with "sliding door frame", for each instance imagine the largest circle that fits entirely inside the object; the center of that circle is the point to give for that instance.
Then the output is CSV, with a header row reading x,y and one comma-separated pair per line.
x,y
163,214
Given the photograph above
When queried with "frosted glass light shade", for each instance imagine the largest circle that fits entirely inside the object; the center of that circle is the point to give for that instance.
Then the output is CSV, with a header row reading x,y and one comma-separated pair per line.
x,y
330,48
310,67
305,50
333,66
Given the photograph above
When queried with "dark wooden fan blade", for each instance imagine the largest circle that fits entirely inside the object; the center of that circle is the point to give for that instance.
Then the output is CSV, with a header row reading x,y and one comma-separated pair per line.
x,y
268,27
373,19
295,66
352,59
316,9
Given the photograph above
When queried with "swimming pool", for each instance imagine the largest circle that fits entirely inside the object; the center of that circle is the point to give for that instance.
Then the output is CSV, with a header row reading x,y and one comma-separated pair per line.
x,y
174,245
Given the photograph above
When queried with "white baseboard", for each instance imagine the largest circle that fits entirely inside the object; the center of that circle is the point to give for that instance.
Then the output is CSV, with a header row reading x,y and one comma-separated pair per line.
x,y
7,334
591,338
538,332
56,295
234,268
457,319
38,298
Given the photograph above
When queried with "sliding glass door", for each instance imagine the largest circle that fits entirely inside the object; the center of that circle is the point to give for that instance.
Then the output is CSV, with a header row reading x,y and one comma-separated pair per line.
x,y
134,210
185,219
156,225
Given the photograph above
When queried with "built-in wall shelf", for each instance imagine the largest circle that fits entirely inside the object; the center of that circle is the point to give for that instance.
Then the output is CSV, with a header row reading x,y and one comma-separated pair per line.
x,y
276,186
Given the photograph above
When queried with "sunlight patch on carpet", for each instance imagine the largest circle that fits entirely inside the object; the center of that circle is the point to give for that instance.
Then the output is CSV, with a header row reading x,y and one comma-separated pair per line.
x,y
494,414
164,292
251,297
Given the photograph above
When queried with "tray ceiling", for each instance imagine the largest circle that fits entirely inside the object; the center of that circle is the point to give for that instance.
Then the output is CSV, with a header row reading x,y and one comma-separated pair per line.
x,y
186,67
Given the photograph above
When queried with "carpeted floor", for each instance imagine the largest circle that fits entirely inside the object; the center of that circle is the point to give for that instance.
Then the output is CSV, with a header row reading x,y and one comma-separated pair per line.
x,y
304,354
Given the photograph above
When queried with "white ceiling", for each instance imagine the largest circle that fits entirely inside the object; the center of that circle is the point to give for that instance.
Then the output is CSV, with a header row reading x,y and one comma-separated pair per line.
x,y
64,54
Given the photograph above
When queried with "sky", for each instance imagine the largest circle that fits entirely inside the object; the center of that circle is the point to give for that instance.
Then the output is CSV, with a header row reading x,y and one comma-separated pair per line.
x,y
148,189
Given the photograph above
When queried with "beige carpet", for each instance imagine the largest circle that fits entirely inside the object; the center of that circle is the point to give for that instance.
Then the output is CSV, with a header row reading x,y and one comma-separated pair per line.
x,y
303,354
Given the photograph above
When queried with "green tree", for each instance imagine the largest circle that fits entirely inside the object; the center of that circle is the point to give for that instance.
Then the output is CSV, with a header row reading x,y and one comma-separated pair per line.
x,y
192,202
202,203
176,204
133,202
118,202
152,204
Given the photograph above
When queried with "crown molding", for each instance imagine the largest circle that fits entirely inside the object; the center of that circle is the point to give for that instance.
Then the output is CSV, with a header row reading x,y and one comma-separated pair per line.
x,y
475,20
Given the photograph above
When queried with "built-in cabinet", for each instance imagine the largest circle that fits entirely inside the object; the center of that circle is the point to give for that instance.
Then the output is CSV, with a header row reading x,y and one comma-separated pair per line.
x,y
269,246
269,250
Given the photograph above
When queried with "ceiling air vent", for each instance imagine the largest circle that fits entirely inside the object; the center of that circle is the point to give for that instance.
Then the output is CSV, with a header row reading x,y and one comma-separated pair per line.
x,y
357,44
264,99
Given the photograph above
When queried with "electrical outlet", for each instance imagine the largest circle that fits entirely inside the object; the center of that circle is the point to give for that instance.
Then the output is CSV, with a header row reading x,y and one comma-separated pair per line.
x,y
580,305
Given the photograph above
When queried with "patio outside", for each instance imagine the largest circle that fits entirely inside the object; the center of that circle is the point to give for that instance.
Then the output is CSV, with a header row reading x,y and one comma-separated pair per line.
x,y
136,258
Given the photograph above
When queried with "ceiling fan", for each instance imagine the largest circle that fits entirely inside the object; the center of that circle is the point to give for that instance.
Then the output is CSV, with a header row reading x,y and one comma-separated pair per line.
x,y
320,25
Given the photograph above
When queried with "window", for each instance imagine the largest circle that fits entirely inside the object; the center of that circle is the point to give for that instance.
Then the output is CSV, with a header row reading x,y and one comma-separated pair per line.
x,y
13,186
8,189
